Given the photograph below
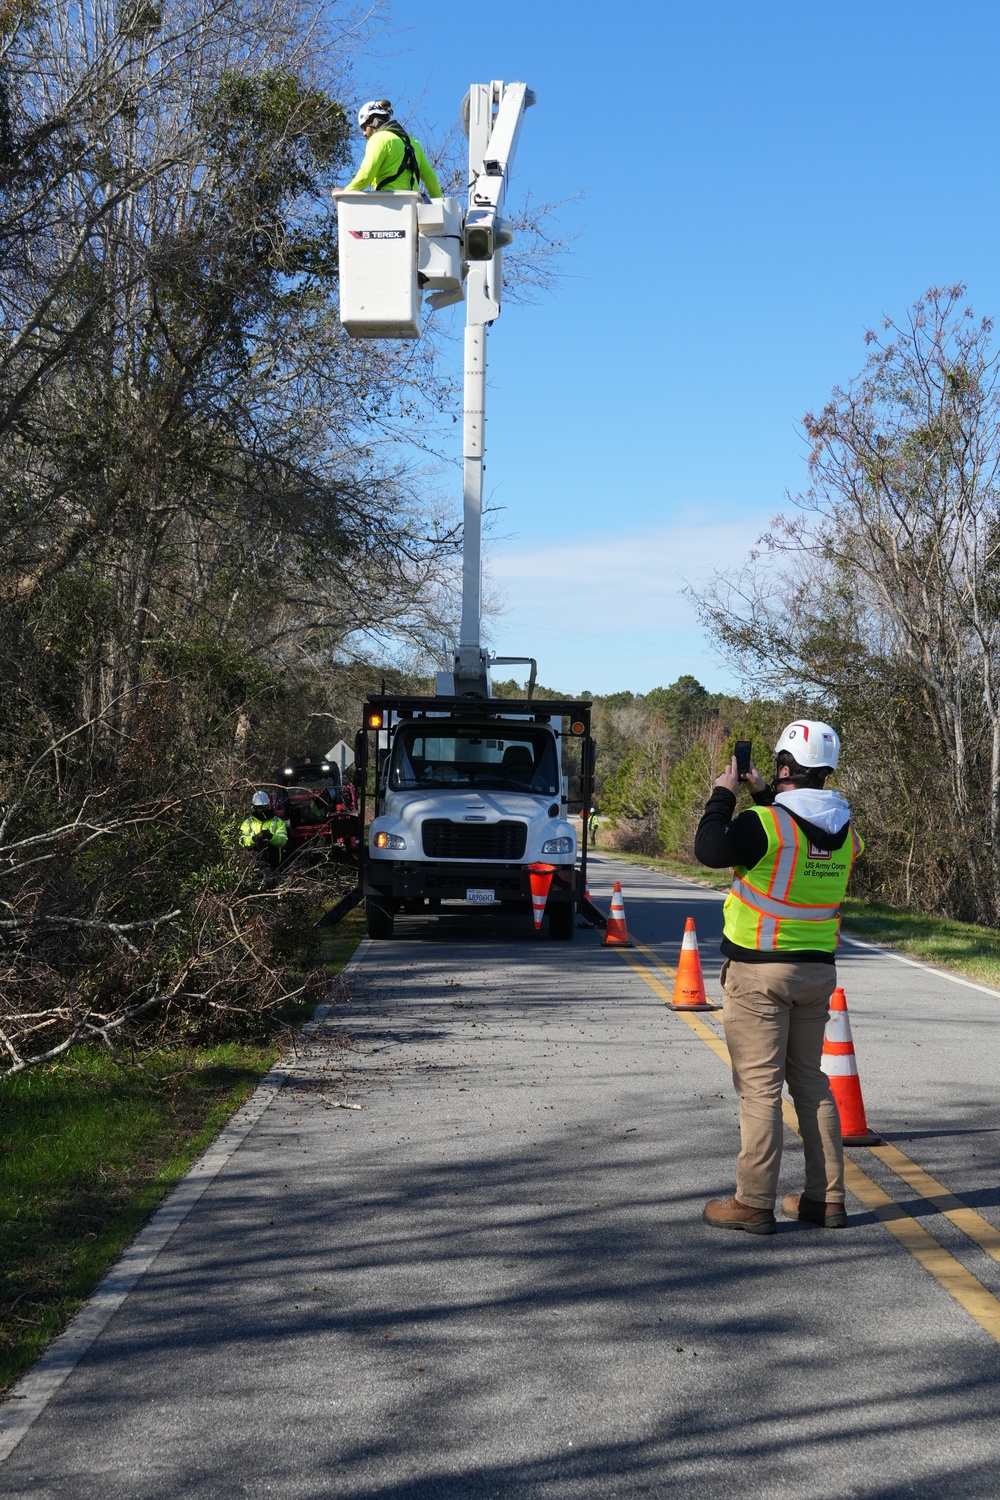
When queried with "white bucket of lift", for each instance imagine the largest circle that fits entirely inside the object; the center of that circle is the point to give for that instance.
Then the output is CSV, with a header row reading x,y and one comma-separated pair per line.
x,y
379,293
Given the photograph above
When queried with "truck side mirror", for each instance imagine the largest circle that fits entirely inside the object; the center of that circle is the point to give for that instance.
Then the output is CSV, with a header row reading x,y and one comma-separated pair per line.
x,y
361,753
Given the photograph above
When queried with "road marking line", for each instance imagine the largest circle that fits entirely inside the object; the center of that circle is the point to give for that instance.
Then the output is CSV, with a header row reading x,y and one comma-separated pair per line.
x,y
916,963
26,1401
658,961
985,1234
695,1023
967,1290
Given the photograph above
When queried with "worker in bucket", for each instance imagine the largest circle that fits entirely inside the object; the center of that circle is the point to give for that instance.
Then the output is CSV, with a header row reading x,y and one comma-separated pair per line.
x,y
264,836
792,854
393,161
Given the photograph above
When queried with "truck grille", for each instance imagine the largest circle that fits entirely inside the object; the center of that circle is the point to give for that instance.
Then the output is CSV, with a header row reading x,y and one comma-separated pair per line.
x,y
445,840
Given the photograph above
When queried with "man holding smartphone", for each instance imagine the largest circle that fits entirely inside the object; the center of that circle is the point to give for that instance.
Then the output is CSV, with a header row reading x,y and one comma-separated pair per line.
x,y
792,854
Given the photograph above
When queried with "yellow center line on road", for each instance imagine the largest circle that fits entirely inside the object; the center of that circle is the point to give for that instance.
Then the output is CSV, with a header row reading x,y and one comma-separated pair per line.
x,y
696,1024
967,1290
985,1234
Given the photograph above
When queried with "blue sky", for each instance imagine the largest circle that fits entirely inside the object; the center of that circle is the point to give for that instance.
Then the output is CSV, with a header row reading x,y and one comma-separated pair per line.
x,y
761,182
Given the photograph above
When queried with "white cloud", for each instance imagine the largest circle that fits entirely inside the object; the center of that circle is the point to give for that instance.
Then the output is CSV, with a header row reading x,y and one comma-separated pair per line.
x,y
608,611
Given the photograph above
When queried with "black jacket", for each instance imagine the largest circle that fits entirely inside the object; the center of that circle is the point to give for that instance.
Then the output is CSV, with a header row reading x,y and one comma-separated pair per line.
x,y
723,840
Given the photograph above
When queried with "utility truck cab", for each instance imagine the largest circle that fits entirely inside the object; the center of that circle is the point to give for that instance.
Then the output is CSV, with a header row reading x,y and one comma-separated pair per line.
x,y
467,797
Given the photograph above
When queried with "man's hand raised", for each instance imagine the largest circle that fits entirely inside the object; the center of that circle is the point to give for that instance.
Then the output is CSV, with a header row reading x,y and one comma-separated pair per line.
x,y
730,778
731,781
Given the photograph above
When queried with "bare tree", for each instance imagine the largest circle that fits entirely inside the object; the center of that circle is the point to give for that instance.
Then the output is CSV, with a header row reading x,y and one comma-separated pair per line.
x,y
185,432
879,592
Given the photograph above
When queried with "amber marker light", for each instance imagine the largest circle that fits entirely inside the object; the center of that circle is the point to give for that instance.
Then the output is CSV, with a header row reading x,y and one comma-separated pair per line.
x,y
381,841
374,721
577,727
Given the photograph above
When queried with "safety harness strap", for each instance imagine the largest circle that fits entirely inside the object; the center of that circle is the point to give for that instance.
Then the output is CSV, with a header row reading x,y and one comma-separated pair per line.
x,y
409,162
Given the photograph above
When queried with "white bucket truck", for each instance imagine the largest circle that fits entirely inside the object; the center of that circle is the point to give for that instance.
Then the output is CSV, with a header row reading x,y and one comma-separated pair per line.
x,y
471,794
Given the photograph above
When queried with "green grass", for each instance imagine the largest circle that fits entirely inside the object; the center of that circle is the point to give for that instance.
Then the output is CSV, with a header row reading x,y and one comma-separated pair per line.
x,y
88,1149
961,946
971,951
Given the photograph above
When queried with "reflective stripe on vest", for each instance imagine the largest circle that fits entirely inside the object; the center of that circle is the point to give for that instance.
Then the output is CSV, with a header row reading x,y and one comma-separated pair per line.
x,y
779,909
764,915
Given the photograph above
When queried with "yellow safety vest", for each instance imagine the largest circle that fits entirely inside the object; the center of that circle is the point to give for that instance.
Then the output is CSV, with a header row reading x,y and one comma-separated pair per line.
x,y
250,827
790,899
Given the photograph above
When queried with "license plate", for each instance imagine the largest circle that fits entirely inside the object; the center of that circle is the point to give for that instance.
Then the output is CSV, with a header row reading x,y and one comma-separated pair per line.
x,y
479,898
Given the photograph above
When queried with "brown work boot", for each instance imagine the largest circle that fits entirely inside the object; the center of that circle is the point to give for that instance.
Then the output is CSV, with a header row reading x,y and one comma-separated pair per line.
x,y
730,1213
809,1211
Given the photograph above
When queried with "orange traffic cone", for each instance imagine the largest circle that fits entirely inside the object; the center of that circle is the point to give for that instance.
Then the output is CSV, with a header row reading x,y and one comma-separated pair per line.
x,y
541,882
689,987
840,1066
616,933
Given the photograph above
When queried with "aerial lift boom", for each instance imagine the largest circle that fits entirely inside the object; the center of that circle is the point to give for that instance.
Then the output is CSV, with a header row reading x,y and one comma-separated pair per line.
x,y
492,114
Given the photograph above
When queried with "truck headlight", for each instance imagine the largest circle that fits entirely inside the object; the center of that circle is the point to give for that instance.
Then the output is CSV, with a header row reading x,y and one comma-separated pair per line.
x,y
389,841
558,846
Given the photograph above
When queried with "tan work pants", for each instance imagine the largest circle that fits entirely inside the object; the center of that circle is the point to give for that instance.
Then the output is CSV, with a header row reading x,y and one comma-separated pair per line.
x,y
775,1016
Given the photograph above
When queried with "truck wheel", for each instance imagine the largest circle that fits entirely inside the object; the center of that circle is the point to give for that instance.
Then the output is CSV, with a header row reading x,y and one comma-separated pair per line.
x,y
378,917
562,921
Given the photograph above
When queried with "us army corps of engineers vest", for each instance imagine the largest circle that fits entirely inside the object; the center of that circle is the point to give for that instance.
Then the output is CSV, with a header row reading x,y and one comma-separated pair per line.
x,y
791,898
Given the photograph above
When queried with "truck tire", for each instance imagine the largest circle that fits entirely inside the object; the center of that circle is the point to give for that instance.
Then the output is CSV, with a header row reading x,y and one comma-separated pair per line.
x,y
562,920
378,917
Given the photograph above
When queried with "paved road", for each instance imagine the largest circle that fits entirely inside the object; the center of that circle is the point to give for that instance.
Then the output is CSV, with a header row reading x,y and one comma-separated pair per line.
x,y
494,1279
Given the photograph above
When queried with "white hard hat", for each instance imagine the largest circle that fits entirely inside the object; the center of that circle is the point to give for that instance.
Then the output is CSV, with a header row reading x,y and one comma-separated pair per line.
x,y
810,743
261,799
375,109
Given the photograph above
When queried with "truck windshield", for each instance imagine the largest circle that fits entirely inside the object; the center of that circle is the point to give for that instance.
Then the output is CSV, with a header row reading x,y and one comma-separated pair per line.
x,y
521,760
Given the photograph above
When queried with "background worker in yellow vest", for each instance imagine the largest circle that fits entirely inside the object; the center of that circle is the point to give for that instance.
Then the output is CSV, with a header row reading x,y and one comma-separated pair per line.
x,y
792,855
264,836
393,161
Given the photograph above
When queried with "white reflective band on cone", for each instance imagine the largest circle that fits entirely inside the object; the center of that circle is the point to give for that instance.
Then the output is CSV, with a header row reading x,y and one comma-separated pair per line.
x,y
845,1066
690,941
838,1028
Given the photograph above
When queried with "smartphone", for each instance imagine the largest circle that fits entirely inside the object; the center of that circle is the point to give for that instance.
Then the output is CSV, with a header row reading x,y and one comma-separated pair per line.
x,y
742,753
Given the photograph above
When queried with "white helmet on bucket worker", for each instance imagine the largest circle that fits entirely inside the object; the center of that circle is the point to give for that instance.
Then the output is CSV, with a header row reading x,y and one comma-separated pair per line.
x,y
375,109
810,743
261,799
